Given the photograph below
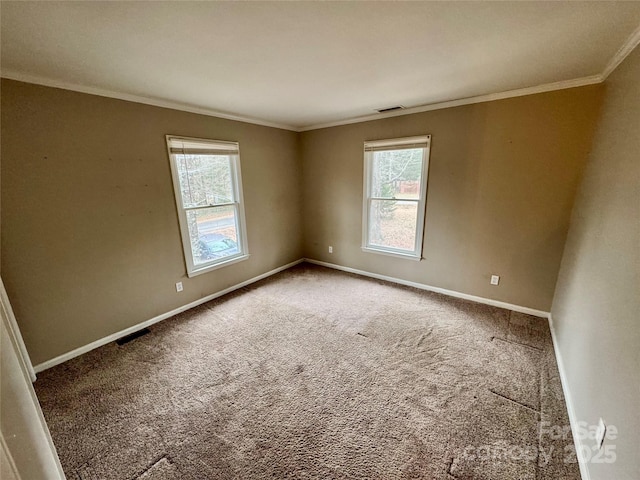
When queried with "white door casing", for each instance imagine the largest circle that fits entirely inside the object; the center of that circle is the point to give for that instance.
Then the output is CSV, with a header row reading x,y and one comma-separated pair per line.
x,y
28,452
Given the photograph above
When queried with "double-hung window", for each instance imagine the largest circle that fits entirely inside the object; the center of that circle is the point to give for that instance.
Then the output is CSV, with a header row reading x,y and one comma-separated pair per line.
x,y
395,190
208,190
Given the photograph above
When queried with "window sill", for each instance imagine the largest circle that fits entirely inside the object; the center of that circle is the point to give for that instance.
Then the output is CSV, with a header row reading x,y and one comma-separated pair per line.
x,y
215,266
391,253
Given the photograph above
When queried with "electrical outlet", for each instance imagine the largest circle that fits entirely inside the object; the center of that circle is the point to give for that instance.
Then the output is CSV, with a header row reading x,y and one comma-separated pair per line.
x,y
330,249
179,287
601,432
495,279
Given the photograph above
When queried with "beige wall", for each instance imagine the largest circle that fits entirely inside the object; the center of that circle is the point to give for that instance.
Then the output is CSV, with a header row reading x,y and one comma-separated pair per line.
x,y
502,180
90,237
91,244
596,309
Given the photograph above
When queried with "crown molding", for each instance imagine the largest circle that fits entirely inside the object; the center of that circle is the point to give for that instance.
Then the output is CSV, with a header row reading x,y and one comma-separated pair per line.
x,y
184,107
626,48
629,45
547,87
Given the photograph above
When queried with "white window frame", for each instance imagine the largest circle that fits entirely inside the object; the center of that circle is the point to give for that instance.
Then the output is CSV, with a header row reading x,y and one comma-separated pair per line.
x,y
369,148
238,203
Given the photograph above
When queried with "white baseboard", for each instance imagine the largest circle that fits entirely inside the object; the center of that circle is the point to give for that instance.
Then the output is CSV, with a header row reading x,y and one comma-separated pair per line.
x,y
517,308
573,420
127,331
444,291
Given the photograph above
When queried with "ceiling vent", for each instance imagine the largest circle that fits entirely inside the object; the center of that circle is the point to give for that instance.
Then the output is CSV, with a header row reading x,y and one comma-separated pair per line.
x,y
390,109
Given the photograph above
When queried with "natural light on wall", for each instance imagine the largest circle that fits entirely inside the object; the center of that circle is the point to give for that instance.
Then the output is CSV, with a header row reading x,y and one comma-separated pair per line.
x,y
395,194
208,189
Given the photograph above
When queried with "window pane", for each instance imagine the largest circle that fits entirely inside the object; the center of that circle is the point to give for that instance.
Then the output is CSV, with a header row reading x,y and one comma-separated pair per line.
x,y
205,179
396,173
213,232
392,223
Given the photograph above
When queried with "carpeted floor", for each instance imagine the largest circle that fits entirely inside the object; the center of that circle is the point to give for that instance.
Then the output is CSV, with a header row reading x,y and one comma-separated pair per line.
x,y
315,373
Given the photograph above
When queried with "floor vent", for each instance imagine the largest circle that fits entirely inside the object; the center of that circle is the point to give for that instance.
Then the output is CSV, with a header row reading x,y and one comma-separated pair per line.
x,y
133,336
390,109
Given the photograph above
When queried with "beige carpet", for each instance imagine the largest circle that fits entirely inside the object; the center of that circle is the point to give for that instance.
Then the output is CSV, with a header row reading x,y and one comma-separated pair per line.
x,y
315,373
